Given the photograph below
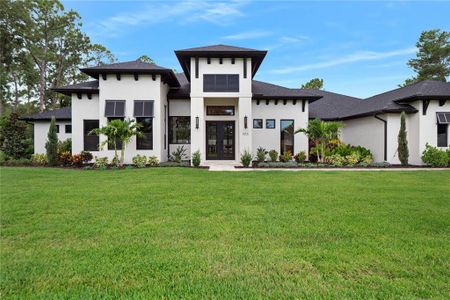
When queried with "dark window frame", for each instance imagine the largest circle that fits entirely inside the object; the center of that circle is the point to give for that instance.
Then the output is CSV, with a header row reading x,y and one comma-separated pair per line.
x,y
258,120
68,126
144,103
171,135
221,83
274,123
442,135
140,141
57,128
281,135
225,107
115,114
91,137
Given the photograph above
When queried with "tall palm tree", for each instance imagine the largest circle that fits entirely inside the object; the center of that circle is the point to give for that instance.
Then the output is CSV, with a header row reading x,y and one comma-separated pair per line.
x,y
321,133
119,130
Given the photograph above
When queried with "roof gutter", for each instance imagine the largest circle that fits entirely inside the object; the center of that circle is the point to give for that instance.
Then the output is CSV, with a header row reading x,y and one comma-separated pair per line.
x,y
385,135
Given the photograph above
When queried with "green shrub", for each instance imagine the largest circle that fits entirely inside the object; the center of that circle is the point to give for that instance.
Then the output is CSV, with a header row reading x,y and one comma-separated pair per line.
x,y
65,158
86,156
277,164
300,157
3,157
402,149
17,162
13,136
286,156
51,146
435,157
153,161
174,164
39,159
273,154
101,162
65,146
352,159
335,160
261,154
178,155
196,158
246,158
140,161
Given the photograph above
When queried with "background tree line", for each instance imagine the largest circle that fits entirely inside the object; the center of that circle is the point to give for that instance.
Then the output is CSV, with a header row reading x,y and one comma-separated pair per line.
x,y
41,47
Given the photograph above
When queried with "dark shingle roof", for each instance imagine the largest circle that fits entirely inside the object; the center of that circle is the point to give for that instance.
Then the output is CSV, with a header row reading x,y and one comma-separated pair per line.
x,y
83,87
218,48
332,105
61,114
264,90
133,67
184,55
261,90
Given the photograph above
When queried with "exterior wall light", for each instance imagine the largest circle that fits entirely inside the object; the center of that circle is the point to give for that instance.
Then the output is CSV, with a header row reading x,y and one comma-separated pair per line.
x,y
245,122
196,122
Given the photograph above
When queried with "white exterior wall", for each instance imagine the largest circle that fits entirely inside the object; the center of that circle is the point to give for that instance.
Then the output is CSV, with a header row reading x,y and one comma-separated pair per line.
x,y
41,132
83,109
270,138
180,108
367,132
199,98
129,90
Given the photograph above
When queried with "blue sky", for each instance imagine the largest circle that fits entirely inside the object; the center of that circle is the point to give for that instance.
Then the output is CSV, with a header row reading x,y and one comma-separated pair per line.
x,y
358,48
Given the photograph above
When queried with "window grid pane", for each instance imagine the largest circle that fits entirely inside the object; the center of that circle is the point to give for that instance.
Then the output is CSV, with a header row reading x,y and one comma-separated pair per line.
x,y
179,130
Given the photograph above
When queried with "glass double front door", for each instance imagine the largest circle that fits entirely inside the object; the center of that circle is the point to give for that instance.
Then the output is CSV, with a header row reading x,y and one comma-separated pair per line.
x,y
220,140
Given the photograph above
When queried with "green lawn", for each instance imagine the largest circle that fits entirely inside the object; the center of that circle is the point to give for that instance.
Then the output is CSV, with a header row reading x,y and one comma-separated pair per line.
x,y
187,233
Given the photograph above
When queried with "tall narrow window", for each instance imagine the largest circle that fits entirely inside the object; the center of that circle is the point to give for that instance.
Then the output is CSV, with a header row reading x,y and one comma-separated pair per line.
x,y
442,135
91,142
287,136
68,128
145,142
179,130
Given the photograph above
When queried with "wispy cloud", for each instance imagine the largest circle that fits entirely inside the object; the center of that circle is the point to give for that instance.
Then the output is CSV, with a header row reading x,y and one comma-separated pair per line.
x,y
218,13
352,58
247,35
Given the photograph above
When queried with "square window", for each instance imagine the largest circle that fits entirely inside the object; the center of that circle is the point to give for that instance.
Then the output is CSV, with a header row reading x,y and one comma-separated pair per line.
x,y
270,123
68,128
257,123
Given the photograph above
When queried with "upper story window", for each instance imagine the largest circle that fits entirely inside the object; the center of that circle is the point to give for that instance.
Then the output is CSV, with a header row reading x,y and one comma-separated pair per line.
x,y
220,110
221,83
114,108
143,108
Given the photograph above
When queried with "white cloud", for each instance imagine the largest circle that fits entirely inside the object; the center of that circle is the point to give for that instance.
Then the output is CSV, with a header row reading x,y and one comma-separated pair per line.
x,y
247,35
219,13
355,57
292,39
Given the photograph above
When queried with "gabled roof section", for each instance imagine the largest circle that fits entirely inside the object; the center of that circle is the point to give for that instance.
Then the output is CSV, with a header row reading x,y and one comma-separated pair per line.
x,y
266,91
83,87
332,105
133,67
225,51
62,114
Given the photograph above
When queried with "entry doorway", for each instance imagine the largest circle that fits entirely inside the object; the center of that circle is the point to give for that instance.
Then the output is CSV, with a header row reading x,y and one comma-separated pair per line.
x,y
220,140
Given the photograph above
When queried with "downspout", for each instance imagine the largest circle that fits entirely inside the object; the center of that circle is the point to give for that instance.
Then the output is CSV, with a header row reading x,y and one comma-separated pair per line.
x,y
165,129
385,135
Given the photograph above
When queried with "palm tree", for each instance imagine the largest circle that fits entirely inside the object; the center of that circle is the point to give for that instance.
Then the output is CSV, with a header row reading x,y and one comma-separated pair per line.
x,y
321,133
119,130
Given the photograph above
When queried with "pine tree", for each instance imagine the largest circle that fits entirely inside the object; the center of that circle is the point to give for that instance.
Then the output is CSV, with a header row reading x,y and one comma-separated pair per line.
x,y
52,144
403,152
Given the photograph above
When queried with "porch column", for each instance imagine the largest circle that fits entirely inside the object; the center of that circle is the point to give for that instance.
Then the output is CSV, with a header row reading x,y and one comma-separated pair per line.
x,y
245,134
198,134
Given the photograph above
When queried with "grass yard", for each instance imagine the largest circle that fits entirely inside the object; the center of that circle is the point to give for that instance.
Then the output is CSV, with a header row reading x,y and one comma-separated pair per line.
x,y
187,233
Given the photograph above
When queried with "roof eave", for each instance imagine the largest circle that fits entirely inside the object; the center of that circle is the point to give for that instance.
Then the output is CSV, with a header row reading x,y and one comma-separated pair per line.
x,y
95,73
419,97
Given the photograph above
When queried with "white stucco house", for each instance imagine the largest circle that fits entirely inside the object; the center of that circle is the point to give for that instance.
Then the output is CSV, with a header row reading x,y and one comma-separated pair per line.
x,y
216,107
